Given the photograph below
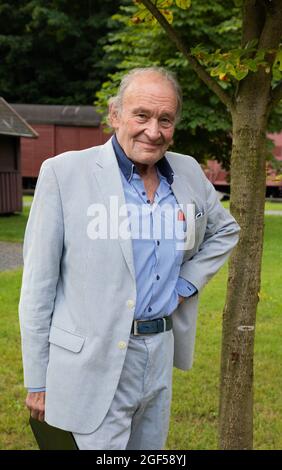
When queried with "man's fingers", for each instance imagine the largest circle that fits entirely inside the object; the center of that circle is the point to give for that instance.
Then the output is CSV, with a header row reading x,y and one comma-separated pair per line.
x,y
38,414
41,416
35,402
34,414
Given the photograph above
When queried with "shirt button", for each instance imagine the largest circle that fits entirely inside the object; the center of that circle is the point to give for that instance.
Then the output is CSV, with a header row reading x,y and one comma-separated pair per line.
x,y
130,303
158,277
121,345
149,309
143,193
148,200
158,242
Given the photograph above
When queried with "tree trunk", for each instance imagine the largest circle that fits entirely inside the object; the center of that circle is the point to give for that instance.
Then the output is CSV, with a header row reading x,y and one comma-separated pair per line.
x,y
247,206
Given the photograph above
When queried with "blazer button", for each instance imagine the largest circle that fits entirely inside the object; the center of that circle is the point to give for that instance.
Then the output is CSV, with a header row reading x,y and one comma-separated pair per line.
x,y
130,303
122,345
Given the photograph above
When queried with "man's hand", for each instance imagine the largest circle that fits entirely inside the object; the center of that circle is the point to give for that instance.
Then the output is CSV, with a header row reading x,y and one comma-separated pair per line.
x,y
180,299
35,402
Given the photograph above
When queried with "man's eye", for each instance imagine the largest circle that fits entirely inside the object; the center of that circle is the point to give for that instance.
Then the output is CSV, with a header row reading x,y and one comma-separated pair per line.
x,y
166,122
142,116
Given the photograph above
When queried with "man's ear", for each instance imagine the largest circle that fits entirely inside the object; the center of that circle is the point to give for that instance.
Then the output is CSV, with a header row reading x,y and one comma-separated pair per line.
x,y
113,116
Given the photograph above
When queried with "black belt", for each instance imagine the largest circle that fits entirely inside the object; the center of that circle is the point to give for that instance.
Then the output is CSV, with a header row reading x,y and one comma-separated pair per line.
x,y
149,327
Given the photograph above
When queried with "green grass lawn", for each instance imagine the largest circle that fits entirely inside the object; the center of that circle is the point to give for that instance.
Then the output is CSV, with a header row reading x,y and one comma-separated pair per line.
x,y
12,226
195,393
273,206
269,206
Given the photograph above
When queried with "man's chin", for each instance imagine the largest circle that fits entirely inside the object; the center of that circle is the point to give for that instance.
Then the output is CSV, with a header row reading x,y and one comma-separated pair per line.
x,y
148,157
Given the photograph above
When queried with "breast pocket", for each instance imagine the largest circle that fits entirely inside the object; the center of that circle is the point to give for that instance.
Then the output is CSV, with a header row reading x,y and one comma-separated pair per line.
x,y
200,227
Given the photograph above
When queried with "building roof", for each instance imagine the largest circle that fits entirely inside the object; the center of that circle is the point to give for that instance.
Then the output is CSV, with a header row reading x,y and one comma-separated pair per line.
x,y
11,123
84,116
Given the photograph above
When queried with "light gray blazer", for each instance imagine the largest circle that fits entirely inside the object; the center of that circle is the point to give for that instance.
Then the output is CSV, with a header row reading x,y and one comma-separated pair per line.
x,y
78,294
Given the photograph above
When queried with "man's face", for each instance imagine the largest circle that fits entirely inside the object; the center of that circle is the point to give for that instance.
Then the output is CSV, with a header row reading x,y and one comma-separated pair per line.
x,y
145,124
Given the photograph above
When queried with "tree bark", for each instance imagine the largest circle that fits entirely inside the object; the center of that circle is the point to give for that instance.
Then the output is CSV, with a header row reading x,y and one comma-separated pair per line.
x,y
239,316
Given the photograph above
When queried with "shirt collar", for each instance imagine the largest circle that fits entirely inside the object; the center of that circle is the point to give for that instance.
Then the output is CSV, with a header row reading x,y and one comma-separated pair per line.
x,y
128,168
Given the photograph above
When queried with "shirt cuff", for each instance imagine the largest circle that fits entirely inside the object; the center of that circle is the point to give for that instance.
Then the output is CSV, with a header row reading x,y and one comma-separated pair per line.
x,y
185,288
33,390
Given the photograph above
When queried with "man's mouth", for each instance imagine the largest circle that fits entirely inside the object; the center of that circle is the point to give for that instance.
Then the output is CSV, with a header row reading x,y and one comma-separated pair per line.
x,y
151,145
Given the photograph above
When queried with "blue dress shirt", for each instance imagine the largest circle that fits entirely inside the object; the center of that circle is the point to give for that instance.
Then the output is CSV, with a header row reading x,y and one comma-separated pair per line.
x,y
154,231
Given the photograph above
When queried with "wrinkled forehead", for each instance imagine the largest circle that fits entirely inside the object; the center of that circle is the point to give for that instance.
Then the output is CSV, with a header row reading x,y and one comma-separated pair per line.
x,y
150,88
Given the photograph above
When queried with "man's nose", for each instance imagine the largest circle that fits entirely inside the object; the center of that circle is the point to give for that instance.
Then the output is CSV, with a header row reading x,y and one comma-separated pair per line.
x,y
153,129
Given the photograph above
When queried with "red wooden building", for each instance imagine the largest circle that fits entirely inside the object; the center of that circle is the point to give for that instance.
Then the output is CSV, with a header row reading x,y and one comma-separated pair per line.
x,y
12,128
220,177
60,128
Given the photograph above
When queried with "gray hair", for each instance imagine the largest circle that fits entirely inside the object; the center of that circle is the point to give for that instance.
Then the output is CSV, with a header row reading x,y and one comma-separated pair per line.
x,y
117,100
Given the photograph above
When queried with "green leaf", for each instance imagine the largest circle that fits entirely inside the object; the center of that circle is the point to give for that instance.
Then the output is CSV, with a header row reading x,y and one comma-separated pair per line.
x,y
184,4
164,4
253,66
168,15
143,15
278,59
240,74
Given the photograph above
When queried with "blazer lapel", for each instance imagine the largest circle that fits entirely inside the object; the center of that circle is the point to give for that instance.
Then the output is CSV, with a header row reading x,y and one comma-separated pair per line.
x,y
108,177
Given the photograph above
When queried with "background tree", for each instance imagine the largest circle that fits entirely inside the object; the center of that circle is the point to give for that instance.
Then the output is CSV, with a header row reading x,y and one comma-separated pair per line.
x,y
247,80
51,50
205,128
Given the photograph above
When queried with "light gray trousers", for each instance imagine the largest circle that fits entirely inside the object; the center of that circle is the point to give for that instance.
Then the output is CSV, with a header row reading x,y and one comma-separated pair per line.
x,y
139,415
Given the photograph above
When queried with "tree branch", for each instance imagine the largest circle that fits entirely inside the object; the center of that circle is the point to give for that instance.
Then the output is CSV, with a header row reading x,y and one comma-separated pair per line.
x,y
254,12
272,30
196,66
269,40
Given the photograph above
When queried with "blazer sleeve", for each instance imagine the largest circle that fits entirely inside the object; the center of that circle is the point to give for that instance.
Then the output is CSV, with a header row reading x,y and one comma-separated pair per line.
x,y
42,251
221,236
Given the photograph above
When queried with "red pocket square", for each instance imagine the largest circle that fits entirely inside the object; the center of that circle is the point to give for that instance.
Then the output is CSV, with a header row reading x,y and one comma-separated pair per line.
x,y
180,215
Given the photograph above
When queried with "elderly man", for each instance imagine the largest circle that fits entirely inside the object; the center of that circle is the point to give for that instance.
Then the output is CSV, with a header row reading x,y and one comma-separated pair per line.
x,y
109,295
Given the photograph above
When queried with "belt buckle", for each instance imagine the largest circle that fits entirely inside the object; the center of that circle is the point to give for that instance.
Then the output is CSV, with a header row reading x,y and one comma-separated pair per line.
x,y
164,322
135,325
